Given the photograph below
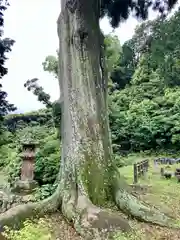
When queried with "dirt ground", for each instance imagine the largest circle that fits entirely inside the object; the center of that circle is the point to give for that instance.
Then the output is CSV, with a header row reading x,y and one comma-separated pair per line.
x,y
61,230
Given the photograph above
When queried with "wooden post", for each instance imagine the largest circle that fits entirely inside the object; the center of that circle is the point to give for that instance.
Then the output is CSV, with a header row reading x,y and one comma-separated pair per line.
x,y
135,173
143,165
162,172
146,167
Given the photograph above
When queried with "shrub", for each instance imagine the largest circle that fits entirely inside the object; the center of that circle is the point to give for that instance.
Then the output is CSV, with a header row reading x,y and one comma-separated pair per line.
x,y
47,162
45,191
13,168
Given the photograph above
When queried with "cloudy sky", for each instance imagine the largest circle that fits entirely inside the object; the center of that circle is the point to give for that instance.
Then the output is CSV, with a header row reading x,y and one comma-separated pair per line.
x,y
32,24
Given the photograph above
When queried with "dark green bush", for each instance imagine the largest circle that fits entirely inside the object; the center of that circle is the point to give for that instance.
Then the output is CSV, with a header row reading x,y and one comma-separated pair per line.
x,y
47,162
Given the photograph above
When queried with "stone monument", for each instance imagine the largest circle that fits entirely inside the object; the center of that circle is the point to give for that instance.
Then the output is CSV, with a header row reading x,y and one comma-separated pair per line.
x,y
27,182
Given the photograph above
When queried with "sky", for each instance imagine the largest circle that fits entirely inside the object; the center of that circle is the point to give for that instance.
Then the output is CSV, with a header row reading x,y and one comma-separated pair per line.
x,y
32,24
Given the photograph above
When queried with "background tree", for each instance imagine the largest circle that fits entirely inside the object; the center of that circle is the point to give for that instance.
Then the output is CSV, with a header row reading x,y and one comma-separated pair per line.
x,y
43,97
32,85
51,65
87,174
125,67
144,115
112,51
5,47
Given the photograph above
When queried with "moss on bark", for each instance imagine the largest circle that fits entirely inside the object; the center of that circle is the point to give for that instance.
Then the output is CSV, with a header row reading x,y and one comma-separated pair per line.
x,y
94,181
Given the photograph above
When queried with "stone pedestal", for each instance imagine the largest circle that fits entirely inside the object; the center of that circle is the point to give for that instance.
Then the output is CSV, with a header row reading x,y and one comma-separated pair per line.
x,y
26,183
25,186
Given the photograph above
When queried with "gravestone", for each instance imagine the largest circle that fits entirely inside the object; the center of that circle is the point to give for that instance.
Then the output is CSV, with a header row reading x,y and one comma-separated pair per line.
x,y
177,174
27,182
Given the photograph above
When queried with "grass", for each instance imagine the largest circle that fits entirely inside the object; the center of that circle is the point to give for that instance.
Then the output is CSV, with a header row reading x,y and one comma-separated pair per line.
x,y
164,194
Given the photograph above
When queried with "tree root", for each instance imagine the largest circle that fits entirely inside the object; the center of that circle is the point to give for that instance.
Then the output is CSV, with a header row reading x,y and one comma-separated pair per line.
x,y
16,215
130,205
90,221
93,222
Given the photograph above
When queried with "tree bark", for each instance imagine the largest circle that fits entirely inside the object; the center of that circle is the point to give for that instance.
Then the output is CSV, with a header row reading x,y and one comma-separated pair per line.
x,y
87,176
86,161
86,146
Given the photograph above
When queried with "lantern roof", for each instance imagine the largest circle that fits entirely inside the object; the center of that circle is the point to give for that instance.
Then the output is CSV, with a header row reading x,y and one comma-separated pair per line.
x,y
29,144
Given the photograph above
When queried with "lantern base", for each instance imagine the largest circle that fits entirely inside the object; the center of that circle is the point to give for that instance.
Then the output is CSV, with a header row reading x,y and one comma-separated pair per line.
x,y
26,186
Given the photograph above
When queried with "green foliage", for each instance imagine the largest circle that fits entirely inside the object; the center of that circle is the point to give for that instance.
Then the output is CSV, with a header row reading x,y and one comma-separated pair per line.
x,y
48,150
30,231
38,91
112,51
6,155
123,71
145,114
56,112
51,65
41,117
45,191
5,47
47,161
13,168
53,109
36,133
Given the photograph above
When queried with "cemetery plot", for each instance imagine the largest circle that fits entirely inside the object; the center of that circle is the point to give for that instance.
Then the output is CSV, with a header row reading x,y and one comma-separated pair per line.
x,y
154,188
170,161
168,167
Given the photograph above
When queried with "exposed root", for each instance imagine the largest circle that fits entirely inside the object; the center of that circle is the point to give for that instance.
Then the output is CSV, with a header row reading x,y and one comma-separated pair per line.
x,y
16,215
89,220
93,222
130,205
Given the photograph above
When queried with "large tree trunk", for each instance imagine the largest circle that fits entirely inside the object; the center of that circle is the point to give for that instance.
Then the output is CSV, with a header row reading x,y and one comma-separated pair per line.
x,y
87,176
86,161
86,147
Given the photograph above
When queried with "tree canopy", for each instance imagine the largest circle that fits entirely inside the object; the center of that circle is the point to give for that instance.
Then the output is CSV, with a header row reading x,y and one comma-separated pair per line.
x,y
119,10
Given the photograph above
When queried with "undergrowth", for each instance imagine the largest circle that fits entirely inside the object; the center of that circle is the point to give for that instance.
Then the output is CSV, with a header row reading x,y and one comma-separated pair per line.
x,y
30,231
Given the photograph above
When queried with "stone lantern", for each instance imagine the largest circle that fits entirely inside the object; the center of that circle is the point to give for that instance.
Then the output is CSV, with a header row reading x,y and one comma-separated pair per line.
x,y
28,160
27,182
